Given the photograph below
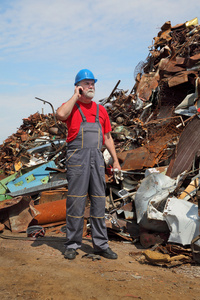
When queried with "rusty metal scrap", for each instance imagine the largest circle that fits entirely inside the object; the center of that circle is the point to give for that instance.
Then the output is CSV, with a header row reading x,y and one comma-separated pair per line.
x,y
162,82
35,131
147,132
53,195
17,213
176,59
51,212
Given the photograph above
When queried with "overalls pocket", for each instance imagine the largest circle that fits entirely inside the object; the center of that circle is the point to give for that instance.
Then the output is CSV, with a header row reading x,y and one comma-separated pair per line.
x,y
74,163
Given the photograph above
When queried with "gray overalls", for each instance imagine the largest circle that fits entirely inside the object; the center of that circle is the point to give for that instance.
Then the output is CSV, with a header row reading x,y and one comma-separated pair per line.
x,y
86,175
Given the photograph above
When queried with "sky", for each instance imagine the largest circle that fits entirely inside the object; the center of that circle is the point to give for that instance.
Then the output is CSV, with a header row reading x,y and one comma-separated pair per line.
x,y
44,43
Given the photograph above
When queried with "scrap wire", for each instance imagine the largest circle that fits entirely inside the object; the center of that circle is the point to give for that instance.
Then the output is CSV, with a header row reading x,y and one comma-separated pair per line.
x,y
111,198
30,238
44,101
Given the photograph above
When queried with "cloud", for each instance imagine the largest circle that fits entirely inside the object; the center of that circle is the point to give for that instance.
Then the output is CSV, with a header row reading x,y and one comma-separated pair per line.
x,y
33,28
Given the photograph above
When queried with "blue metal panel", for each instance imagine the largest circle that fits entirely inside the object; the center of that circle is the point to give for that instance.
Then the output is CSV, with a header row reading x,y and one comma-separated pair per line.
x,y
36,177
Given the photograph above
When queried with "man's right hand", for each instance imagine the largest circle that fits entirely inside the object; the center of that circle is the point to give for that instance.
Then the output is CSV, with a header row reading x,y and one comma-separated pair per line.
x,y
65,110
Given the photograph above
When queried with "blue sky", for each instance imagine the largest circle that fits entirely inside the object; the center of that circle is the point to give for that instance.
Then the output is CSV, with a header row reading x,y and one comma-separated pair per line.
x,y
44,43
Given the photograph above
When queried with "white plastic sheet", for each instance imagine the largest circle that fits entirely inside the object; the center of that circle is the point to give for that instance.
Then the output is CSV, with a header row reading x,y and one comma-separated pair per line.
x,y
182,219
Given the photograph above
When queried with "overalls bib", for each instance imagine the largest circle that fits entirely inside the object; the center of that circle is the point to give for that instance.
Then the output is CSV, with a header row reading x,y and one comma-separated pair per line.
x,y
86,176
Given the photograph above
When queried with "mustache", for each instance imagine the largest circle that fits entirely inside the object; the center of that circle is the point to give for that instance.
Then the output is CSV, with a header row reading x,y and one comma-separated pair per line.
x,y
90,93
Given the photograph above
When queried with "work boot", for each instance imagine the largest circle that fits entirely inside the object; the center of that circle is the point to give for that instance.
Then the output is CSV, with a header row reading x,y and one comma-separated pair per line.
x,y
70,253
108,253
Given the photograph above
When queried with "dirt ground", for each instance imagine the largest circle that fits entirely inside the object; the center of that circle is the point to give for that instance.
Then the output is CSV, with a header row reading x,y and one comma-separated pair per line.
x,y
38,270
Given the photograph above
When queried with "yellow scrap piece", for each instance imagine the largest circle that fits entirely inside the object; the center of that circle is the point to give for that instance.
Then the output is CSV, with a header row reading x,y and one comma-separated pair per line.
x,y
189,189
157,257
192,22
18,166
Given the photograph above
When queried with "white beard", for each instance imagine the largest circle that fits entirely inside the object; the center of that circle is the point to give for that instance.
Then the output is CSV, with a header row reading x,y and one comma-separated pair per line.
x,y
89,94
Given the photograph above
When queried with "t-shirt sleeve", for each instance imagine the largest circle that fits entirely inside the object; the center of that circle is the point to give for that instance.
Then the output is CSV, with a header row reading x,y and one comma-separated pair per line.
x,y
107,125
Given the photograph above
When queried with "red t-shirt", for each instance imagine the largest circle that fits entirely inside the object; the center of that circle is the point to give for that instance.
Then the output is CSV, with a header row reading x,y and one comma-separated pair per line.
x,y
89,110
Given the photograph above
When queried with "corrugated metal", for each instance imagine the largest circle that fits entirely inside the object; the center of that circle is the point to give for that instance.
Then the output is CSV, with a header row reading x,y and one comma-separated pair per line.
x,y
187,147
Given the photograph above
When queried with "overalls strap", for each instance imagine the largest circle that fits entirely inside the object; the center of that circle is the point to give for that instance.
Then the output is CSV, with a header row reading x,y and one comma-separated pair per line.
x,y
97,115
84,118
82,115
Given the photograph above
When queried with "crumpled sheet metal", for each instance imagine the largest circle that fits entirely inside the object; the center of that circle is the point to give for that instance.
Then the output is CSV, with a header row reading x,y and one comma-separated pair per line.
x,y
168,67
154,210
147,156
21,215
179,78
17,213
136,159
154,189
147,83
182,219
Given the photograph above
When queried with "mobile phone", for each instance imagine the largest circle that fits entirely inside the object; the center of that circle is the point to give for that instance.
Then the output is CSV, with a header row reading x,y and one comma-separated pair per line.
x,y
80,91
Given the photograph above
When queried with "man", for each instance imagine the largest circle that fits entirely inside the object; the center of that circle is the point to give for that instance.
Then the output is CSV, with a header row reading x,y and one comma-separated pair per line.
x,y
88,129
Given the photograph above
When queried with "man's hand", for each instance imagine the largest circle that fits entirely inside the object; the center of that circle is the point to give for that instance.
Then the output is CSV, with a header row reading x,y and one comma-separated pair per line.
x,y
65,110
78,91
116,165
109,143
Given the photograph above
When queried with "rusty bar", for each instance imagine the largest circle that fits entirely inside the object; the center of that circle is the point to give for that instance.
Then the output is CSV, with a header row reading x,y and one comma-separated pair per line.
x,y
111,94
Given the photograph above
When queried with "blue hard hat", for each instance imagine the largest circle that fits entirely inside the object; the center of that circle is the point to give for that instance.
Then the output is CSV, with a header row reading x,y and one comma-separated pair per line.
x,y
84,74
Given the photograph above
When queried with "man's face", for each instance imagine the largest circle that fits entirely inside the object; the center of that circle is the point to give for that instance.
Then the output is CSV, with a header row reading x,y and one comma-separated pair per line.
x,y
88,86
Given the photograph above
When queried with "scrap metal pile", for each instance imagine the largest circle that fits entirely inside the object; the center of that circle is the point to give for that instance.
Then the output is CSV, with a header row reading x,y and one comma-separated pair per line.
x,y
36,130
154,200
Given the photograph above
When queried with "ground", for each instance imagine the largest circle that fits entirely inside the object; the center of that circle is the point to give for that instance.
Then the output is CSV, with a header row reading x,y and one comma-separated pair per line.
x,y
38,270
